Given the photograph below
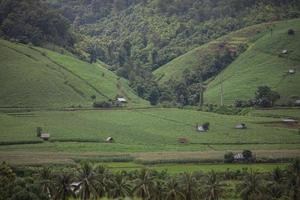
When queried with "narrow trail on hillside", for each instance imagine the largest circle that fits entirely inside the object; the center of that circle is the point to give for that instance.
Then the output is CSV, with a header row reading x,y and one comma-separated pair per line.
x,y
71,72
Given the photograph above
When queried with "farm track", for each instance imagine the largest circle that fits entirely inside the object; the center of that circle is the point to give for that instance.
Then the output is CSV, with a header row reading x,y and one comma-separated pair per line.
x,y
39,158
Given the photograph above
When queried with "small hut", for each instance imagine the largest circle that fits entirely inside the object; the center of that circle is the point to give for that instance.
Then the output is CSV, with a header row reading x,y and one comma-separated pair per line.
x,y
45,136
238,157
109,140
241,126
291,71
76,187
200,129
284,51
121,100
289,121
297,102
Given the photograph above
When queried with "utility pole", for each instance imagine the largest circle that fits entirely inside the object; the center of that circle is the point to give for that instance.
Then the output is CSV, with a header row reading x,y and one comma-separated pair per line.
x,y
222,90
201,97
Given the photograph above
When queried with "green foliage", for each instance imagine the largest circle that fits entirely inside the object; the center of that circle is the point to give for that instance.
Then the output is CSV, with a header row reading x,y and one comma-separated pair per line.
x,y
87,181
102,104
247,154
39,131
228,157
265,97
33,21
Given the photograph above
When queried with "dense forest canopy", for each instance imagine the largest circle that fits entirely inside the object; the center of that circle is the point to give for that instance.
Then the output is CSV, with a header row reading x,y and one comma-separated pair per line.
x,y
160,30
32,21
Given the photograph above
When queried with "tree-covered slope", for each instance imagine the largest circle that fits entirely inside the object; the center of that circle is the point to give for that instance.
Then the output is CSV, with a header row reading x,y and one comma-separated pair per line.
x,y
36,77
204,59
157,31
263,63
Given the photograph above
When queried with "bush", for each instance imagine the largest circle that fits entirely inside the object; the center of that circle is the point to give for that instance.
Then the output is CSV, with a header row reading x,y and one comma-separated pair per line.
x,y
102,104
228,157
39,131
291,32
247,155
205,126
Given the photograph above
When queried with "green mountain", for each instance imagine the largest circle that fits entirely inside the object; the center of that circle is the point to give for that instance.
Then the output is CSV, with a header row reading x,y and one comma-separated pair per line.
x,y
256,60
36,77
263,63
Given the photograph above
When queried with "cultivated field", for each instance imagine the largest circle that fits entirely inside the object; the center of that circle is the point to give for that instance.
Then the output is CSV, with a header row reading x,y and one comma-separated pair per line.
x,y
262,64
145,135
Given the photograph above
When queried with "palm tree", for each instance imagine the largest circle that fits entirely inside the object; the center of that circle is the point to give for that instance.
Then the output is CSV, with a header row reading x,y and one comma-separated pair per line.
x,y
121,187
88,181
275,187
252,187
293,180
44,177
144,184
62,186
212,187
189,186
105,181
173,190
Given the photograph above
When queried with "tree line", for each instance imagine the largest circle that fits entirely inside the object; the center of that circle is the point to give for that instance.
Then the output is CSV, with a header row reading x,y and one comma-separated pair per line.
x,y
90,181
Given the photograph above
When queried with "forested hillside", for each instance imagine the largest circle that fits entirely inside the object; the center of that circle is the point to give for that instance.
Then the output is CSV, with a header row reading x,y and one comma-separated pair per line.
x,y
151,33
32,21
136,37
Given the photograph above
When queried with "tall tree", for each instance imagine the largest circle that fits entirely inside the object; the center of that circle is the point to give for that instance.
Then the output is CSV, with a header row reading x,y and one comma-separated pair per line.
x,y
252,187
189,186
144,184
121,187
62,186
172,190
88,181
213,189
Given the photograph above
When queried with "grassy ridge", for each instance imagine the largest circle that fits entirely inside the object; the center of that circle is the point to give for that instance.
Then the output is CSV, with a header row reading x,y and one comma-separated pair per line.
x,y
263,64
35,77
197,58
260,64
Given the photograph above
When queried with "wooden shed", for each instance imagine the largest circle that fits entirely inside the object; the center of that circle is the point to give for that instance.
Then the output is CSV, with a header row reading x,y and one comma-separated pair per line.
x,y
45,136
241,126
109,140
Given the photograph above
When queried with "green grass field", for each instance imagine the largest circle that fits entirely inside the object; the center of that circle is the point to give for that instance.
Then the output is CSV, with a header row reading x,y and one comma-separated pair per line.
x,y
180,168
262,64
143,127
277,113
36,77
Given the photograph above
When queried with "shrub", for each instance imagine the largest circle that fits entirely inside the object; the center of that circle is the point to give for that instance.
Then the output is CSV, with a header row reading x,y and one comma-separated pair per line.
x,y
247,155
39,131
205,126
102,104
228,157
291,32
93,97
